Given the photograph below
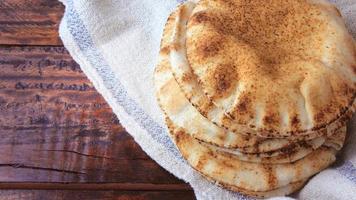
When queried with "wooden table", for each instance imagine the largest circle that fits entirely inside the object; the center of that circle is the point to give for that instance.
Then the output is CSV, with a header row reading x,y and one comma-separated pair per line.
x,y
58,137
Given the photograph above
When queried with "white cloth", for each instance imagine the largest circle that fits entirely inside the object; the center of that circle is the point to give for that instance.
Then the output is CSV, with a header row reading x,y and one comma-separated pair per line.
x,y
116,43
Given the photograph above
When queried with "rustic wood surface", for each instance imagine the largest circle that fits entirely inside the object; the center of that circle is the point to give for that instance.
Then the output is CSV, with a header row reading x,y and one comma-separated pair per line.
x,y
59,139
30,22
94,195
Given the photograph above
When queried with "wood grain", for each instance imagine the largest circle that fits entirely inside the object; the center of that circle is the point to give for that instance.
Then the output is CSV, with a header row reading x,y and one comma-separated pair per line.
x,y
54,126
30,22
95,186
94,195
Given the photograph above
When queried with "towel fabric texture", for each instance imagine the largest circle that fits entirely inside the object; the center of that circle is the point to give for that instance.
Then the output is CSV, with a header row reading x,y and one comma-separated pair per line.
x,y
116,43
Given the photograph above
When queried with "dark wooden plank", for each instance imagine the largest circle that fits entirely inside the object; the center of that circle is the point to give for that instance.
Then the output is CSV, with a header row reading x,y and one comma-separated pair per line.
x,y
94,195
94,186
54,126
30,22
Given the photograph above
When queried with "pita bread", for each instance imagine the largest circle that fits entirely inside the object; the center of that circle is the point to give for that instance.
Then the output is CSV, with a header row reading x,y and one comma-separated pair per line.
x,y
289,154
230,44
282,191
179,109
285,155
228,170
255,159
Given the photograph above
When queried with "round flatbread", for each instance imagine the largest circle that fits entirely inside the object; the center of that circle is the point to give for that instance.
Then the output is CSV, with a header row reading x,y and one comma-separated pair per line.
x,y
234,59
284,155
179,109
253,157
255,177
290,154
282,191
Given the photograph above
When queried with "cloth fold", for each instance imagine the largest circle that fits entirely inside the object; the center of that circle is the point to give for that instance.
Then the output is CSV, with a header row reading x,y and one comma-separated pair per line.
x,y
116,43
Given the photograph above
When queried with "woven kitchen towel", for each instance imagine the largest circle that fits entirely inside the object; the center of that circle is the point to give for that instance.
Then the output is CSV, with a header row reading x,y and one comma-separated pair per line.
x,y
116,43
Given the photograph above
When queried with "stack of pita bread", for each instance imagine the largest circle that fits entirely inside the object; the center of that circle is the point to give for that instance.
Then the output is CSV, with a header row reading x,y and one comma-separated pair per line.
x,y
257,93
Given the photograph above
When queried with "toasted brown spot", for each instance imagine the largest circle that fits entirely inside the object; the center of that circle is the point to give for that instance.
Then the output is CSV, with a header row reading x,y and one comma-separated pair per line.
x,y
222,82
348,91
319,117
222,78
228,164
179,135
271,119
200,17
165,50
175,47
290,149
205,106
304,144
222,137
182,12
295,122
272,180
210,47
244,104
256,146
202,161
186,77
329,109
213,155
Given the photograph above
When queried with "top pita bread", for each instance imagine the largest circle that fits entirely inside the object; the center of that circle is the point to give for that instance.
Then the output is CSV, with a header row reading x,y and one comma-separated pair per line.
x,y
183,114
269,68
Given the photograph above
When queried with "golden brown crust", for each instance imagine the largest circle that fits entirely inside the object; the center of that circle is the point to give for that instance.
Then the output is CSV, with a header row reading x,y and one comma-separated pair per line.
x,y
258,177
179,109
294,59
